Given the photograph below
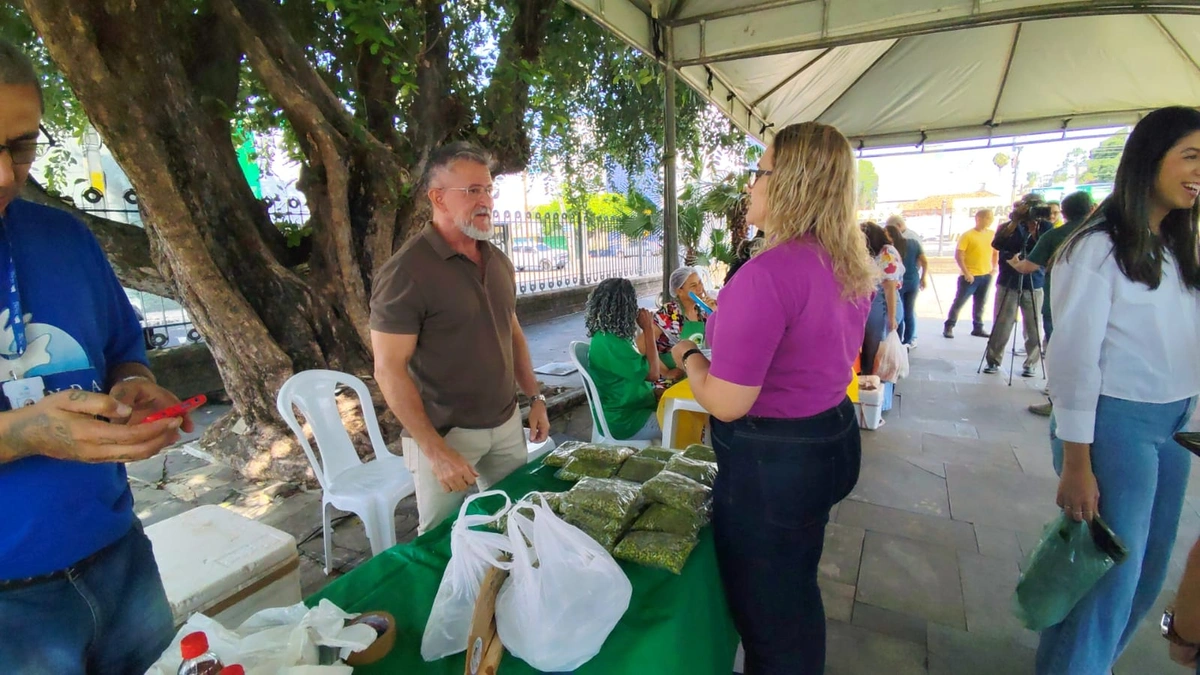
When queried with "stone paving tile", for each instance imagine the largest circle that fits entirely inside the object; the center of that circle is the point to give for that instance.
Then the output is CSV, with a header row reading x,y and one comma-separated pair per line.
x,y
926,421
998,542
954,450
932,466
838,599
933,529
851,650
887,622
843,551
175,460
988,585
957,652
888,480
1007,499
912,577
896,440
192,484
152,505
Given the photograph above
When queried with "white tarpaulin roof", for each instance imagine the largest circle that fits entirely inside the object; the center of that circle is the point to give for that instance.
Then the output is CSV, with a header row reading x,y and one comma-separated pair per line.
x,y
900,72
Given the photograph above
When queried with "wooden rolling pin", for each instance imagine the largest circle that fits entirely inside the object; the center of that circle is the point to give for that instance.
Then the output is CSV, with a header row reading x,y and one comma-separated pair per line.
x,y
484,649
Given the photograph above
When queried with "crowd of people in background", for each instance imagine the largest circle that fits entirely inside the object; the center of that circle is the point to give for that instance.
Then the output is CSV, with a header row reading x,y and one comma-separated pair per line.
x,y
813,293
1125,303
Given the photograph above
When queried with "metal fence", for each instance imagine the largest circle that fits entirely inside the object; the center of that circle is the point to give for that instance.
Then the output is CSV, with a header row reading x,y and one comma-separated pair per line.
x,y
549,252
554,251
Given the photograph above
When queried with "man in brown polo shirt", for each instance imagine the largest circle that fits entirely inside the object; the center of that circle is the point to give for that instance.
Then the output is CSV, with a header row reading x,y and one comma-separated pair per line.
x,y
449,353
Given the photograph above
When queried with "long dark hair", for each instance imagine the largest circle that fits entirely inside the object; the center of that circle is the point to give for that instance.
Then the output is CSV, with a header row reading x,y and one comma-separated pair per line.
x,y
612,308
877,237
1125,214
897,238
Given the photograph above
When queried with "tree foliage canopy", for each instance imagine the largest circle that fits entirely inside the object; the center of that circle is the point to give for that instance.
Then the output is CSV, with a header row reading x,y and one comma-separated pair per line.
x,y
359,93
592,101
1102,161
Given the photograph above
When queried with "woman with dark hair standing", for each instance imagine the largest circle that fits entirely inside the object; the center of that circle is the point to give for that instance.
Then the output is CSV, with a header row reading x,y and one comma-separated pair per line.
x,y
785,434
886,310
623,372
916,269
1125,301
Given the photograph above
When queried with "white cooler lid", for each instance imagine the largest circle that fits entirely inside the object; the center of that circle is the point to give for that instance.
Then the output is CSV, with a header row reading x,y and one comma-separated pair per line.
x,y
209,553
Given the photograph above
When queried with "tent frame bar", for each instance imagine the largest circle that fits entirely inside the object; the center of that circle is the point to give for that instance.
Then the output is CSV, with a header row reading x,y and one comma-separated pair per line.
x,y
940,26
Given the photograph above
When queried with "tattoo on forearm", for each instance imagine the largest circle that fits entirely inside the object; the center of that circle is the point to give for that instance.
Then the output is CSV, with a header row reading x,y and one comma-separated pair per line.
x,y
28,436
77,395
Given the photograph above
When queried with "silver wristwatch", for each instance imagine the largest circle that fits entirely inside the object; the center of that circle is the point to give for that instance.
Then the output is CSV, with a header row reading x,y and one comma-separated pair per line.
x,y
539,397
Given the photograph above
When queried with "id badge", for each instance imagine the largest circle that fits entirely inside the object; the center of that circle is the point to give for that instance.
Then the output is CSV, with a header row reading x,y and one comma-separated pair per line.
x,y
24,392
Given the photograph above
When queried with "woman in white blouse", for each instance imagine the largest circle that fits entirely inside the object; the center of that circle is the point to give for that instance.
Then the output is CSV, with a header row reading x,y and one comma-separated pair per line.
x,y
1124,378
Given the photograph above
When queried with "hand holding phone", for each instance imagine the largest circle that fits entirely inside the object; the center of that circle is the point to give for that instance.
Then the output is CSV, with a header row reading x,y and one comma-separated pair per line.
x,y
177,410
700,303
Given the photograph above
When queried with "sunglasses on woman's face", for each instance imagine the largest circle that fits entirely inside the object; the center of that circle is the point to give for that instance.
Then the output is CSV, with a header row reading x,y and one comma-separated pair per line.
x,y
755,174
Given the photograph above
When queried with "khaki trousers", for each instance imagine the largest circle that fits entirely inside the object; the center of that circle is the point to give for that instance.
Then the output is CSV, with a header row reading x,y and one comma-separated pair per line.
x,y
494,453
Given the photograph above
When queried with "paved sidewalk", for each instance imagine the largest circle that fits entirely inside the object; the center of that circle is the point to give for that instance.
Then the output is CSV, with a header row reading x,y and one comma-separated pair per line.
x,y
920,561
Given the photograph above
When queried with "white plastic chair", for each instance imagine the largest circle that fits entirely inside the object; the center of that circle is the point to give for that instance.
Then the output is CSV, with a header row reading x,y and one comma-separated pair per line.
x,y
370,490
600,431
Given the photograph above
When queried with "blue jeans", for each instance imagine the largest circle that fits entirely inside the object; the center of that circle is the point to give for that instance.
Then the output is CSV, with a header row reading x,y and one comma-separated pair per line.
x,y
1142,475
908,322
876,330
112,617
777,479
977,289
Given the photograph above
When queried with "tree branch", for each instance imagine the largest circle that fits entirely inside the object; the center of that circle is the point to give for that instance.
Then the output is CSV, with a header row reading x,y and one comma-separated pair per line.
x,y
377,96
127,246
507,97
435,113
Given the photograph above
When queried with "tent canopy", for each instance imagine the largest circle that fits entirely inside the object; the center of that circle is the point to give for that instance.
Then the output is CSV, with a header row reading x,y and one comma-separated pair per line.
x,y
907,72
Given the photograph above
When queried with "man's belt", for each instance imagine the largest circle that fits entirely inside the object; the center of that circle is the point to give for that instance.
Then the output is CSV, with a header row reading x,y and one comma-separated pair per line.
x,y
72,572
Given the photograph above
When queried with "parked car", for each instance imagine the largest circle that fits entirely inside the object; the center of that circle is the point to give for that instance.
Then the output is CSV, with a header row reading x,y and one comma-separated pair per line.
x,y
538,256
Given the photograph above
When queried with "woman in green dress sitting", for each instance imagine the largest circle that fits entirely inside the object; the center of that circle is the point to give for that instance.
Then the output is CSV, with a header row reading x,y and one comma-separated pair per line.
x,y
623,360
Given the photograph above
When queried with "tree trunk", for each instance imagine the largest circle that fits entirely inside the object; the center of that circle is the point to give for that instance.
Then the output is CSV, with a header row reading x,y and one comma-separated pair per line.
x,y
158,80
260,320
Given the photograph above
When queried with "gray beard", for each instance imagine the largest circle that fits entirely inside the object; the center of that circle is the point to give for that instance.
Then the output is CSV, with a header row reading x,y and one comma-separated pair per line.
x,y
468,228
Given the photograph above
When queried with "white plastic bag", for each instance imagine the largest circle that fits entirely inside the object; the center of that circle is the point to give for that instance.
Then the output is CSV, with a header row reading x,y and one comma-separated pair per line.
x,y
275,640
564,594
891,361
471,554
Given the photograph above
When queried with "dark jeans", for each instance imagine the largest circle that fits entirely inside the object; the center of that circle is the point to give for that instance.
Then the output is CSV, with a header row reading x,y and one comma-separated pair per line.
x,y
977,289
908,323
777,479
112,618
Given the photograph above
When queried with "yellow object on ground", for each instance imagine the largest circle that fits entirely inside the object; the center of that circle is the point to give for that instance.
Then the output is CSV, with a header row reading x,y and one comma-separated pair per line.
x,y
689,426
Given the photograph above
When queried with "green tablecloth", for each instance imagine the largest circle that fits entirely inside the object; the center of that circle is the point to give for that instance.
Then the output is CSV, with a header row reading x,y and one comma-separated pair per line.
x,y
674,625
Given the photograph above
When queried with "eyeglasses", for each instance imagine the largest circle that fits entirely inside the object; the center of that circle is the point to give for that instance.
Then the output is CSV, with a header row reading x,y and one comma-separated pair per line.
x,y
477,191
755,174
24,152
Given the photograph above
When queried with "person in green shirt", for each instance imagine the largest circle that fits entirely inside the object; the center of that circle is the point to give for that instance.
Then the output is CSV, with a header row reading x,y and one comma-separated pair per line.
x,y
1076,208
622,361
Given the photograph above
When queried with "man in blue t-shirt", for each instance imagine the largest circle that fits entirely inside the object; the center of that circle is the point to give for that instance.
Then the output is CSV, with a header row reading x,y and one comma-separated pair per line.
x,y
79,588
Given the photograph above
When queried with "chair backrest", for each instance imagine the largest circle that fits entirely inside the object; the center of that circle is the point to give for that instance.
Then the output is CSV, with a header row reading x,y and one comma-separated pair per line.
x,y
579,354
314,393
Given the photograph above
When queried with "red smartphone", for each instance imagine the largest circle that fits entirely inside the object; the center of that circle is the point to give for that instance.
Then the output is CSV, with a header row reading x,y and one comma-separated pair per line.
x,y
177,410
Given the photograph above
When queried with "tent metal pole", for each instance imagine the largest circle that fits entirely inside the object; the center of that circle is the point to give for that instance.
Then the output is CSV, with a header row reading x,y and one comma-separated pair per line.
x,y
670,189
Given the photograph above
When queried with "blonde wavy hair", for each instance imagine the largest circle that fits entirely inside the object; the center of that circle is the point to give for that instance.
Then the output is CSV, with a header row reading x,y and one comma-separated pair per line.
x,y
812,193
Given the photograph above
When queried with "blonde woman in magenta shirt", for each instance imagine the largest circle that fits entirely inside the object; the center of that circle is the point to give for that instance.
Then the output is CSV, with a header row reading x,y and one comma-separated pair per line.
x,y
783,345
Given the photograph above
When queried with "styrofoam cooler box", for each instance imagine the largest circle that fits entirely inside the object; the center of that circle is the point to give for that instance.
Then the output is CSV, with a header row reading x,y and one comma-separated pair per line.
x,y
223,565
870,408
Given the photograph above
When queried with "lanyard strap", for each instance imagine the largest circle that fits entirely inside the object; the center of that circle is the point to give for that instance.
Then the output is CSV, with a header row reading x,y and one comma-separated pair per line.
x,y
16,318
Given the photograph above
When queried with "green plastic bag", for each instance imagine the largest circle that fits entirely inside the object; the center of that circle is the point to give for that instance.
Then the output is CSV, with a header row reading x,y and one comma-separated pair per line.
x,y
1070,558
